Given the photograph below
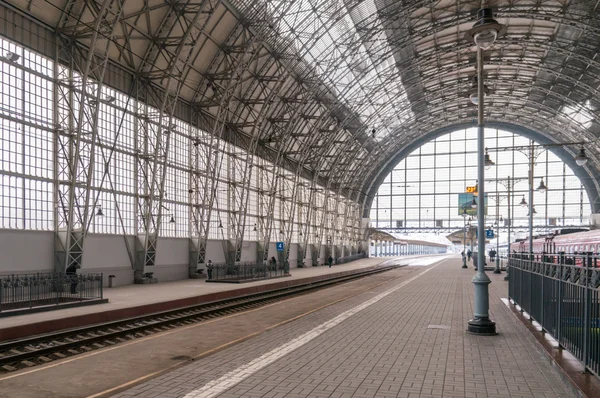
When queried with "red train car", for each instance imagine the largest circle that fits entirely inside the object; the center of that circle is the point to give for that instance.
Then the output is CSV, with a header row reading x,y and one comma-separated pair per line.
x,y
573,245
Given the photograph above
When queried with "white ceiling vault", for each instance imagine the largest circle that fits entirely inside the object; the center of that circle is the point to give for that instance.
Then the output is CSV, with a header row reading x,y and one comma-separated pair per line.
x,y
339,87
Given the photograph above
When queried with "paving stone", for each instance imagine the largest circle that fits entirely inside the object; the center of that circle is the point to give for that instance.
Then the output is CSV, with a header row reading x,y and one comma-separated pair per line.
x,y
388,350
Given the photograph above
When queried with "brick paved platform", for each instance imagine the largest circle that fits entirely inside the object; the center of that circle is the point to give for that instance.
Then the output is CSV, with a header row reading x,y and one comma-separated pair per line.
x,y
402,339
134,300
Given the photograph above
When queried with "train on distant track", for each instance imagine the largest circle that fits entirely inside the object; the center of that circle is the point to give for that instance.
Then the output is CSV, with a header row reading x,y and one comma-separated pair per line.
x,y
573,244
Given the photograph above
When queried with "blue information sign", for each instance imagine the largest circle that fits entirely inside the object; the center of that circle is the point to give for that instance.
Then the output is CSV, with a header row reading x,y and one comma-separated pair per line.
x,y
489,234
279,246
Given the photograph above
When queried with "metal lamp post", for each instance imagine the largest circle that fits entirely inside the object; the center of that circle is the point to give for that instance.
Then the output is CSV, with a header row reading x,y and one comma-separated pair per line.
x,y
532,151
484,34
464,257
497,267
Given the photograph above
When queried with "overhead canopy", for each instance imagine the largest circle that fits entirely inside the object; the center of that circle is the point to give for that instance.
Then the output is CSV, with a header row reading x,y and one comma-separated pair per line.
x,y
338,88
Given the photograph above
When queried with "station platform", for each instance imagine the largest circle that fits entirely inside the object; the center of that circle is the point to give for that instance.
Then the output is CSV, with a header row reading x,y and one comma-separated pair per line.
x,y
134,300
403,338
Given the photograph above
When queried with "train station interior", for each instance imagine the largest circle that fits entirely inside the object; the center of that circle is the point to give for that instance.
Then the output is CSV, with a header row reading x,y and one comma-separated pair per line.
x,y
299,198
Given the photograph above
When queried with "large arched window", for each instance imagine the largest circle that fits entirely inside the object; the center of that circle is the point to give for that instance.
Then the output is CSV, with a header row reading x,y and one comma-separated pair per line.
x,y
422,193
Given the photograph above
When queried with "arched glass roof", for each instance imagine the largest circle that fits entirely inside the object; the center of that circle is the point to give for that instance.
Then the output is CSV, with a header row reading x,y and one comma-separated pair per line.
x,y
333,89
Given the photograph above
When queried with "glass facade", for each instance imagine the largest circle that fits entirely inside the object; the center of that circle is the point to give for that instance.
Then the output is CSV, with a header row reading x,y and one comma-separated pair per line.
x,y
422,193
40,116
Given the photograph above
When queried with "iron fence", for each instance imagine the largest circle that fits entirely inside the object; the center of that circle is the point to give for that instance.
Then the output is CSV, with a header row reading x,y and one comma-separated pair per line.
x,y
34,290
347,259
244,272
560,292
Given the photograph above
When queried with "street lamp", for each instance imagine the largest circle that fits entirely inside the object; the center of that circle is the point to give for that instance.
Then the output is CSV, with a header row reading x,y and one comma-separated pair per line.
x,y
532,151
497,267
464,256
483,33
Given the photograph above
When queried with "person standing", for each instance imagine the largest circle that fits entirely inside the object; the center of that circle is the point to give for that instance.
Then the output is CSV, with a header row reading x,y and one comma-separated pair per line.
x,y
469,254
209,269
72,275
330,261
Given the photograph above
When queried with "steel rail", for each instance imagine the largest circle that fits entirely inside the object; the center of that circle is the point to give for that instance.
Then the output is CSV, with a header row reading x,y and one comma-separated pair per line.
x,y
31,351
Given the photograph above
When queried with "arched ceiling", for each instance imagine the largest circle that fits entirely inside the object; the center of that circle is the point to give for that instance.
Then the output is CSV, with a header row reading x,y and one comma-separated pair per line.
x,y
310,80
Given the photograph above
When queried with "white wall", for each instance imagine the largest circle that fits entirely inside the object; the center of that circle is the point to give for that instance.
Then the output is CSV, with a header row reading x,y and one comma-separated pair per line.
x,y
107,254
26,251
215,251
249,252
172,259
33,251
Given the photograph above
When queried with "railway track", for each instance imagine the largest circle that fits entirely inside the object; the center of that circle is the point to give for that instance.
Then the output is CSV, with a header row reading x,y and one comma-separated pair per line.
x,y
41,349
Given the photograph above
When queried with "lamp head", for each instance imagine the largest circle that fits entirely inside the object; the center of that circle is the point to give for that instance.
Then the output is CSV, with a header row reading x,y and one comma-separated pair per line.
x,y
542,188
99,213
474,204
523,202
172,220
581,159
486,30
488,161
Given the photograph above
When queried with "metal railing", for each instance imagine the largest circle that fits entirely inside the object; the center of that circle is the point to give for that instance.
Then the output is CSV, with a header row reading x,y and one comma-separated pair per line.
x,y
35,290
560,292
347,259
244,272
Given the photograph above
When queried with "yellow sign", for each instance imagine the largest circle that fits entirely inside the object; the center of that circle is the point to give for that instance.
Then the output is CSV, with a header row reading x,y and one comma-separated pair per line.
x,y
472,189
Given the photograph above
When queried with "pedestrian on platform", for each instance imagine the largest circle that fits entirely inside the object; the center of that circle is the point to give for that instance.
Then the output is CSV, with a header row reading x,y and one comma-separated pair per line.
x,y
72,275
330,261
273,263
492,255
469,254
209,269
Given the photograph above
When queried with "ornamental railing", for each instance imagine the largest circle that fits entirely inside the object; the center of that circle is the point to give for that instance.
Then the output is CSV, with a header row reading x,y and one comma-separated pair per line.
x,y
347,259
560,292
244,272
22,291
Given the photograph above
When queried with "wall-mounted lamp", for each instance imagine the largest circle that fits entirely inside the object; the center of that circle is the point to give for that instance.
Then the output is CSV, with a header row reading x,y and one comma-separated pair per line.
x,y
12,57
99,212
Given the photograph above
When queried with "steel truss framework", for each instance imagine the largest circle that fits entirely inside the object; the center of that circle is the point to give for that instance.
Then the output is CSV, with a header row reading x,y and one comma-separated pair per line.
x,y
321,94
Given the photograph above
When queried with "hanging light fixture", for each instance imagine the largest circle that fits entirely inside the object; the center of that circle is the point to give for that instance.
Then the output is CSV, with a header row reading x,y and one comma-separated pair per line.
x,y
581,159
255,227
99,212
542,188
488,162
473,92
474,204
486,30
220,224
533,211
523,202
172,220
